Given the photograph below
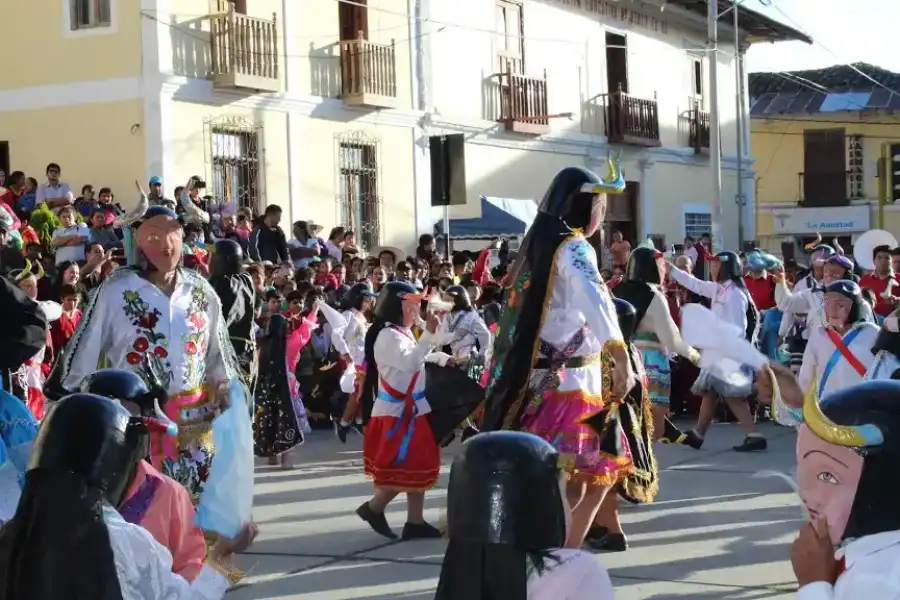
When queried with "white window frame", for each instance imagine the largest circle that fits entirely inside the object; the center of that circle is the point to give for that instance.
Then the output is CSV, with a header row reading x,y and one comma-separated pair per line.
x,y
694,210
91,31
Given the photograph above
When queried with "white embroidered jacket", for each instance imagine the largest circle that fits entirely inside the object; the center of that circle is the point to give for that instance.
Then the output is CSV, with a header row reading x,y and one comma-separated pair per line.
x,y
579,299
129,318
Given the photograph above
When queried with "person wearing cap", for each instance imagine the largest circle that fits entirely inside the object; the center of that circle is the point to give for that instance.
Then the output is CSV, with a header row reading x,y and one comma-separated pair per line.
x,y
156,195
158,311
400,452
839,353
66,540
507,524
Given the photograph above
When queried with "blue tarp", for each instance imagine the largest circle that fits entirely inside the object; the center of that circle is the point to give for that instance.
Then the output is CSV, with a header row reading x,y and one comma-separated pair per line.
x,y
499,216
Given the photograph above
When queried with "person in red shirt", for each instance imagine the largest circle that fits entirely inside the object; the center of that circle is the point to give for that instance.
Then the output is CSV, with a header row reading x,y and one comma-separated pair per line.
x,y
879,280
63,328
762,289
15,186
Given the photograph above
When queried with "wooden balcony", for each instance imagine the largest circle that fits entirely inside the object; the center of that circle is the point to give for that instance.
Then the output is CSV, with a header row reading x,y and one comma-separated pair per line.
x,y
519,102
827,188
630,120
368,73
698,121
244,51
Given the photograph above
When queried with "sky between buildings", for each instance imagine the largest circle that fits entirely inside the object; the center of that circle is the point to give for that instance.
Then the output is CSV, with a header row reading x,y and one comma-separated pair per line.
x,y
846,31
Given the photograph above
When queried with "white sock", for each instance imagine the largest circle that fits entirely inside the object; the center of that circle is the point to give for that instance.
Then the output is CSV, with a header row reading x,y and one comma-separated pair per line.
x,y
344,423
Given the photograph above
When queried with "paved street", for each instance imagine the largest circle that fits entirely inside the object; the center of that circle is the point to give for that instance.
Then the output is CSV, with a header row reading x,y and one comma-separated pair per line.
x,y
719,529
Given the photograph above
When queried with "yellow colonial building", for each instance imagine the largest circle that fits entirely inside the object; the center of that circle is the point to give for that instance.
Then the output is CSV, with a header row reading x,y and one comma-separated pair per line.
x,y
817,136
327,107
305,105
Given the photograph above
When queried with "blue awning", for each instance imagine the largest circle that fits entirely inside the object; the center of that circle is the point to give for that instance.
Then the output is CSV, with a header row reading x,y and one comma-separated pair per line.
x,y
499,217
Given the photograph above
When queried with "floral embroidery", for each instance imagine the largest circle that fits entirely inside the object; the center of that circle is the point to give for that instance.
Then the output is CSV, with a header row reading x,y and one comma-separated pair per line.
x,y
196,340
145,319
586,262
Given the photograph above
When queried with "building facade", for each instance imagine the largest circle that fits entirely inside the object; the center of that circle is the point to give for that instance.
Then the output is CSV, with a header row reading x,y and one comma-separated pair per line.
x,y
817,137
326,108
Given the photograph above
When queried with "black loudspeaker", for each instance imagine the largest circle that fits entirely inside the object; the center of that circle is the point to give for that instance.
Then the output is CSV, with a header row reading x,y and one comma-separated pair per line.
x,y
448,169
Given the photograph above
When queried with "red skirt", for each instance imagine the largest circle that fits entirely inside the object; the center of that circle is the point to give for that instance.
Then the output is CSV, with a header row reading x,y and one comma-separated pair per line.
x,y
420,467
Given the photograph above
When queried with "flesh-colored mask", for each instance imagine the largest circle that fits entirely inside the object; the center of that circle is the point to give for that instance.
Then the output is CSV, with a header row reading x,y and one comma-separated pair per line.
x,y
598,214
827,476
160,239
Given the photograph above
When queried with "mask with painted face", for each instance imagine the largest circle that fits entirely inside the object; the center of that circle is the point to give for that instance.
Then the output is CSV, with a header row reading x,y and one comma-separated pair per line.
x,y
160,239
847,453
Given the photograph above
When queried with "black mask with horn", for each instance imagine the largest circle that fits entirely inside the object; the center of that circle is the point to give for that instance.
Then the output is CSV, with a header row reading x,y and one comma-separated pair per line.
x,y
864,417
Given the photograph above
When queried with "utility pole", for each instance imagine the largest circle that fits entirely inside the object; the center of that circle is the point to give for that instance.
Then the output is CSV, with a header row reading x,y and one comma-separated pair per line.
x,y
715,151
739,112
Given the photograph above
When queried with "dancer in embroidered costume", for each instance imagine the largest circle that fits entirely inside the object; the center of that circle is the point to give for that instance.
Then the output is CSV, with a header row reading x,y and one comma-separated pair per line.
x,y
152,500
348,334
840,353
847,456
656,336
887,349
235,291
173,317
400,451
507,520
625,427
732,303
65,539
558,316
466,337
23,330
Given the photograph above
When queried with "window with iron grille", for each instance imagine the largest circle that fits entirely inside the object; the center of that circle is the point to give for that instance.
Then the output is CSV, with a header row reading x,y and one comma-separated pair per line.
x,y
235,168
697,224
86,14
855,165
358,193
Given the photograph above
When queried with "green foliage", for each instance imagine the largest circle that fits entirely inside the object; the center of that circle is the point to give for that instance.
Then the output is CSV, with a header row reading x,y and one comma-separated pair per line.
x,y
45,222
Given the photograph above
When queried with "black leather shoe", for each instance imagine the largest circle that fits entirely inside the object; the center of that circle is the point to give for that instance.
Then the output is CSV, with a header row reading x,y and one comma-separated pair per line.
x,y
752,444
596,532
693,440
377,521
611,542
420,531
341,431
671,434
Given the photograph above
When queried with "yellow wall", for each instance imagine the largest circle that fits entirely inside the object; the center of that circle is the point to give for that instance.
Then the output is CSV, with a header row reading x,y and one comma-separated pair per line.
x,y
93,143
32,34
190,149
317,167
778,148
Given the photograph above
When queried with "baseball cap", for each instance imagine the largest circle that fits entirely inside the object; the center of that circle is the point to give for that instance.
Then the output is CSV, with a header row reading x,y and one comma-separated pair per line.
x,y
156,180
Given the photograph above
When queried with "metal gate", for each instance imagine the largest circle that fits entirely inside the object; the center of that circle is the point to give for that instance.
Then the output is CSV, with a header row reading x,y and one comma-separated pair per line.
x,y
357,190
234,161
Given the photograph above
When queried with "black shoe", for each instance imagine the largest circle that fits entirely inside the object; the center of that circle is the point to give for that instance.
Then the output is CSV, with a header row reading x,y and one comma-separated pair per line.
x,y
468,432
693,440
377,521
420,531
448,440
752,444
596,533
341,431
611,542
357,426
671,434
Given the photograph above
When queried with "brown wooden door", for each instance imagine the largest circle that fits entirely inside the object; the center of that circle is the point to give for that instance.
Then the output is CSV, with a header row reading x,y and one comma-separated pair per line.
x,y
352,20
824,178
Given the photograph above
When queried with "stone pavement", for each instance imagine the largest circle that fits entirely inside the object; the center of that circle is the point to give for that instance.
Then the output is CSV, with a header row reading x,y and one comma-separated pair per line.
x,y
721,528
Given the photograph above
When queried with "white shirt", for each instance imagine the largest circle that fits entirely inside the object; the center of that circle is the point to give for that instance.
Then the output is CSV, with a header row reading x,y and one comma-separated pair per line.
x,y
462,330
819,351
658,321
348,332
75,253
144,566
399,357
872,571
302,263
129,316
729,302
333,251
578,575
48,191
884,366
812,303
